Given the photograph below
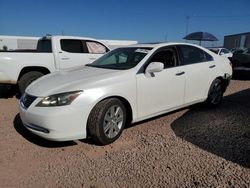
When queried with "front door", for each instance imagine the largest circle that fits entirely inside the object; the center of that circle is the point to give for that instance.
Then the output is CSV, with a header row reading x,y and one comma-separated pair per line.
x,y
164,90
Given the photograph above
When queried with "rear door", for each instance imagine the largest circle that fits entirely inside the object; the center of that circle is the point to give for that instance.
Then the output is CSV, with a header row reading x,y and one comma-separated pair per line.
x,y
94,49
199,68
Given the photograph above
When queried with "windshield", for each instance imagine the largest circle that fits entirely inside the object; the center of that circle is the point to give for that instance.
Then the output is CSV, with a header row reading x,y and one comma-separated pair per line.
x,y
121,58
240,51
214,50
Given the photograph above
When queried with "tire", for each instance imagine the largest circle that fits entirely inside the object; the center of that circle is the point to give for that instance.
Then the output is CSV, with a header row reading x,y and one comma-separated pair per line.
x,y
215,94
27,79
103,117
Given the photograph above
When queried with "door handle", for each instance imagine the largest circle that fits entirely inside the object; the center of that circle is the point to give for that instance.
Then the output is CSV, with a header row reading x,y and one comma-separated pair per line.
x,y
180,73
65,58
92,58
212,66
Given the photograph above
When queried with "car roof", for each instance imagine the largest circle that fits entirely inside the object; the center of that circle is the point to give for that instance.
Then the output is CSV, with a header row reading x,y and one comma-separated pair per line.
x,y
214,48
69,37
161,44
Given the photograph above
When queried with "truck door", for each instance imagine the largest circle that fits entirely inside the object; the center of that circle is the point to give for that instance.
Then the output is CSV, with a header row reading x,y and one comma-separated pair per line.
x,y
75,52
95,49
72,54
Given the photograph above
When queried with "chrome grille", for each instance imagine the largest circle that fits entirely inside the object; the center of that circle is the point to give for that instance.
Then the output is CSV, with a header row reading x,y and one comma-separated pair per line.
x,y
27,100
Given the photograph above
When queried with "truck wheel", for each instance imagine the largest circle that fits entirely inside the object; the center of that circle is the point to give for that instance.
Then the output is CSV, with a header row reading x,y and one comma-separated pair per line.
x,y
106,121
27,79
215,94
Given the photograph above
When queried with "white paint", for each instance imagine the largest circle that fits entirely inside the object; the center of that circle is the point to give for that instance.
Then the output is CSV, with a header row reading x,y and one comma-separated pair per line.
x,y
147,96
17,42
12,63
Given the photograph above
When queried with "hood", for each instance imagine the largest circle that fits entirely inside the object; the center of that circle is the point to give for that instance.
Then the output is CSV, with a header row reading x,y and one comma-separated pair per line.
x,y
65,81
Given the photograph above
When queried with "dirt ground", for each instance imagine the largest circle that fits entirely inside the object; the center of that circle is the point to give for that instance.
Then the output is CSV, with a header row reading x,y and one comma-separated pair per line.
x,y
193,147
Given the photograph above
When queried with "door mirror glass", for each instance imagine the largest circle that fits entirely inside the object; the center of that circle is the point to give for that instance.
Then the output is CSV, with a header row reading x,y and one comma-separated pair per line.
x,y
154,67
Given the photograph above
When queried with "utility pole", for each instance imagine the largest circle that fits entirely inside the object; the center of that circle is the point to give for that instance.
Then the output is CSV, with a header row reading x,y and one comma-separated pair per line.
x,y
187,24
166,37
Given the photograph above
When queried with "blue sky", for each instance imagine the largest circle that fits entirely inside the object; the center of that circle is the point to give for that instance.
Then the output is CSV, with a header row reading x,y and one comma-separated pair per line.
x,y
141,20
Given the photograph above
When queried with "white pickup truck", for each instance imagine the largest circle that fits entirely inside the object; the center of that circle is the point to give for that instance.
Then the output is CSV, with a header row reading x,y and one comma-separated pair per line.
x,y
53,53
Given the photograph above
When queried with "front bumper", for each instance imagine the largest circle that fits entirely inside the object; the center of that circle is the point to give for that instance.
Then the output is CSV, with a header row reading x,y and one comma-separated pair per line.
x,y
56,123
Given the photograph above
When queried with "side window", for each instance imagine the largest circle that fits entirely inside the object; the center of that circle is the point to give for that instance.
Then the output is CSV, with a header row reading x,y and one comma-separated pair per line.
x,y
44,46
224,51
192,55
72,46
166,56
248,50
95,47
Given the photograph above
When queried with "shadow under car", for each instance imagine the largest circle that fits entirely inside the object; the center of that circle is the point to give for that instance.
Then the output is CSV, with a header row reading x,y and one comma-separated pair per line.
x,y
223,131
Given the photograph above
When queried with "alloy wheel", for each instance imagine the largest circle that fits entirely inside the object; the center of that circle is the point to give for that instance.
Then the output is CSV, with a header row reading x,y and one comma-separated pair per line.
x,y
113,121
216,94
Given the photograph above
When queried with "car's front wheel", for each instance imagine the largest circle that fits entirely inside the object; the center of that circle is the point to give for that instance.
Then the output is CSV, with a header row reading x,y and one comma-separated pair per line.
x,y
215,94
106,121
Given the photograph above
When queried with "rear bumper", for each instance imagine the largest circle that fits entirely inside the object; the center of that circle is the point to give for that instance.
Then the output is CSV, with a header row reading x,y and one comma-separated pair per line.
x,y
7,90
6,86
5,79
226,80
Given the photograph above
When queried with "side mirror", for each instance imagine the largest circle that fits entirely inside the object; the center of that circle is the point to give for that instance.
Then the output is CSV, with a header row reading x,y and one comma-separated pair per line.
x,y
222,53
154,67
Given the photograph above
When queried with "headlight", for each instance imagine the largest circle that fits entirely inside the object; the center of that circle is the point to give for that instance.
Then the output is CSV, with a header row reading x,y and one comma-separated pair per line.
x,y
60,99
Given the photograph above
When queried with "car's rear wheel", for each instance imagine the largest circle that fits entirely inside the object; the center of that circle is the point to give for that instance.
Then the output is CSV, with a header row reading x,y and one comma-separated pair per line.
x,y
106,121
215,94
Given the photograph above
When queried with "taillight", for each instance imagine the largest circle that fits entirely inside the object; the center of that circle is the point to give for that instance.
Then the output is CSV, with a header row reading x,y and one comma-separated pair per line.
x,y
231,61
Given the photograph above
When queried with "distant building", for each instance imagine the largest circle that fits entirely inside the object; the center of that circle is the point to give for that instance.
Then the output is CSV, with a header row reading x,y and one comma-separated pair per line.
x,y
241,40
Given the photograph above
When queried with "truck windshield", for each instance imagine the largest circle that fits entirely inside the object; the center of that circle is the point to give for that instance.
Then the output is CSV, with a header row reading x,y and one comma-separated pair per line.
x,y
44,46
121,58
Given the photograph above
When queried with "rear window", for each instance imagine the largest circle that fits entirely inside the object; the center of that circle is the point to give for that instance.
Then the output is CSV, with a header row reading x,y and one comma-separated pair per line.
x,y
214,50
44,46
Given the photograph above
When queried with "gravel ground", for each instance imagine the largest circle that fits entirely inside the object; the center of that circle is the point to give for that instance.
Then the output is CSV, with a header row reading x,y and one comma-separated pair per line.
x,y
192,147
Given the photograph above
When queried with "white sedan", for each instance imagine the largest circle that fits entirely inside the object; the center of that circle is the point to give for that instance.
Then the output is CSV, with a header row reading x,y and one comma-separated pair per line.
x,y
222,51
124,86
